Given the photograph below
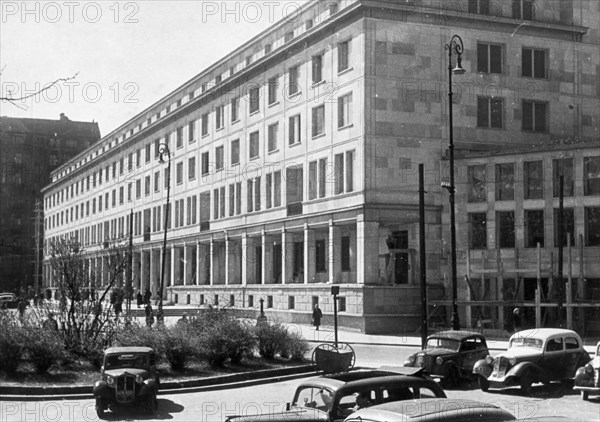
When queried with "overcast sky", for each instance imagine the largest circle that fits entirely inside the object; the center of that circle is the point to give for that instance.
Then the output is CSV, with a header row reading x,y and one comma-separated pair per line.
x,y
129,54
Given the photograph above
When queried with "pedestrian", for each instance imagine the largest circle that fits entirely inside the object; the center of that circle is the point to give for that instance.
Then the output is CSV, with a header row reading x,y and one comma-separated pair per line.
x,y
50,324
118,308
149,315
147,296
139,298
316,317
21,308
183,320
517,319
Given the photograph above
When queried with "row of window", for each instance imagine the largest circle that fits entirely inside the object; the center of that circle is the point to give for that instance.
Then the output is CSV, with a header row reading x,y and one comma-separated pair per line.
x,y
291,302
294,137
533,222
520,9
533,179
491,59
534,114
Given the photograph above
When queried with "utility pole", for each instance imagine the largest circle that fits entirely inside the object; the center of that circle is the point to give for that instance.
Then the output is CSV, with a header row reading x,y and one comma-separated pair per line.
x,y
36,277
423,257
561,225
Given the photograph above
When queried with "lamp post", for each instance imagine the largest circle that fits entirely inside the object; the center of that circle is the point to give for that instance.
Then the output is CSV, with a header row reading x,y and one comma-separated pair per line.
x,y
163,150
454,46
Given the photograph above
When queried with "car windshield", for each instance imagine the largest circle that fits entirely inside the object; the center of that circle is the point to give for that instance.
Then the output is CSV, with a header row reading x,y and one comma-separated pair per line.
x,y
130,360
536,343
315,397
443,343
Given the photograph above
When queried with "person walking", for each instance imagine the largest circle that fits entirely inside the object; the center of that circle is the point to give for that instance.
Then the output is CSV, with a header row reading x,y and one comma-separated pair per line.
x,y
50,325
139,298
149,315
316,317
147,296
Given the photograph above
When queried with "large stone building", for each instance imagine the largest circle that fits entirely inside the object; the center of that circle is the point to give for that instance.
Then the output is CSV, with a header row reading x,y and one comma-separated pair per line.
x,y
294,158
29,150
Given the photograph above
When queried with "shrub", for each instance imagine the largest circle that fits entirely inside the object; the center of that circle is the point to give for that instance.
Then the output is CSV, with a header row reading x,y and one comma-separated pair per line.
x,y
44,349
295,347
271,339
12,343
137,335
179,346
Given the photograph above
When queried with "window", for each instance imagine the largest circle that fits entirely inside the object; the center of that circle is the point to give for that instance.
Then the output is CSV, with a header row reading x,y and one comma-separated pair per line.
x,y
191,168
344,110
477,183
146,188
147,156
346,254
166,178
505,226
205,124
534,116
205,166
481,7
231,200
179,173
533,63
489,58
317,68
592,226
312,180
268,48
179,137
533,179
273,86
138,188
309,24
320,256
288,36
567,227
343,54
564,167
294,135
318,120
257,204
333,9
254,99
235,109
523,9
349,171
254,145
591,176
235,152
272,137
534,228
505,182
294,80
554,345
339,174
138,158
291,302
219,157
277,189
216,204
191,132
220,116
129,194
489,112
477,230
156,181
121,165
322,176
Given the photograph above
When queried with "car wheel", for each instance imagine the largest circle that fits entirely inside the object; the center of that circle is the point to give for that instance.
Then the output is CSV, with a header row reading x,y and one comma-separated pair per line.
x,y
525,381
100,407
484,384
585,395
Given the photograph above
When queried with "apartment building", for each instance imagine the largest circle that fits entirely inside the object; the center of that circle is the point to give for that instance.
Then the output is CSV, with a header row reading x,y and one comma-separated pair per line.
x,y
292,161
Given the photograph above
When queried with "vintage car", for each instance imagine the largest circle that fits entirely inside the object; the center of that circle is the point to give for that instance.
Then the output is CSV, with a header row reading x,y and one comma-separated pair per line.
x,y
128,377
450,355
421,410
587,378
536,355
332,397
8,300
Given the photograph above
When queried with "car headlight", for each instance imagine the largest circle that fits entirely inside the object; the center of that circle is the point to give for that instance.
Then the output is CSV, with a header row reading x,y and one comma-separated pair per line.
x,y
512,361
439,361
139,379
110,380
489,360
412,358
589,369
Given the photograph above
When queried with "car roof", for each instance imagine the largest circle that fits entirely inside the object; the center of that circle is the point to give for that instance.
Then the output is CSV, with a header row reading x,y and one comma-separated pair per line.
x,y
432,409
455,335
128,349
6,295
545,333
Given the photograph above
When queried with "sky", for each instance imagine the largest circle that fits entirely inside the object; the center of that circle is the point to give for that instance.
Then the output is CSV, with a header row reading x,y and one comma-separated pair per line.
x,y
125,55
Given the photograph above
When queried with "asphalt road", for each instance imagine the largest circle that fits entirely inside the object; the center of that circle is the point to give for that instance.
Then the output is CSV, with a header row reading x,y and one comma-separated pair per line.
x,y
216,405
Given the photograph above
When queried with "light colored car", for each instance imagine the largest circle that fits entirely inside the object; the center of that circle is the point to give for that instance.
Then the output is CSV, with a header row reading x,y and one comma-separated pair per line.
x,y
587,378
8,300
536,355
429,410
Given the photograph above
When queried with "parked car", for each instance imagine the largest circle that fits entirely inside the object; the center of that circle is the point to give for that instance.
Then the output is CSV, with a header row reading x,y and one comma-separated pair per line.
x,y
333,397
536,355
587,377
128,377
8,300
439,410
450,355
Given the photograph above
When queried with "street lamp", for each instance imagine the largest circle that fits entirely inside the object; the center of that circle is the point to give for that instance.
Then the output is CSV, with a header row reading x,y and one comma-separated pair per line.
x,y
163,150
455,45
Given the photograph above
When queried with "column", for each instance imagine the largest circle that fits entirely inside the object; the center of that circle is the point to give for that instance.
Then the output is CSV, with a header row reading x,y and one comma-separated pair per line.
x,y
212,262
367,251
334,253
187,267
152,272
198,262
284,254
308,243
135,272
227,260
263,258
245,254
172,261
105,272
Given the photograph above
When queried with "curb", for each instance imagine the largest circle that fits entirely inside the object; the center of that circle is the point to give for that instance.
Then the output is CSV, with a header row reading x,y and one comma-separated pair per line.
x,y
263,376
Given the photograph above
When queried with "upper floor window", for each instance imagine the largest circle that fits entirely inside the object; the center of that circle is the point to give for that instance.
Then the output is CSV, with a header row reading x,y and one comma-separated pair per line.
x,y
343,50
592,226
254,99
534,116
318,120
205,165
148,148
591,176
219,158
294,128
235,152
317,68
562,167
533,179
205,124
505,182
534,228
273,86
490,111
235,109
477,230
523,9
481,7
533,63
345,110
294,80
489,58
179,137
254,145
179,173
192,168
288,36
220,116
191,132
272,137
477,183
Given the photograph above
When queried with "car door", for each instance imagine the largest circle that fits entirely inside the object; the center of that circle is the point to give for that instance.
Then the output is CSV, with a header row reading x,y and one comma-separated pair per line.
x,y
573,352
553,359
470,353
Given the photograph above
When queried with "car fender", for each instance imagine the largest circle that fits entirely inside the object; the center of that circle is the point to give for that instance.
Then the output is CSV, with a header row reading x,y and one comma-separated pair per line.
x,y
519,368
101,389
482,368
582,377
149,386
